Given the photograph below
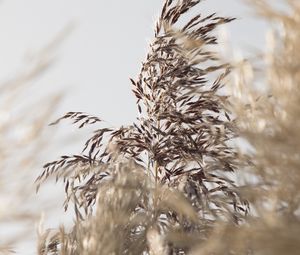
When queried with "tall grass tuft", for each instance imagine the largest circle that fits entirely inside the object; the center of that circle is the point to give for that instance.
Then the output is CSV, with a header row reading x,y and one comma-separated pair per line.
x,y
167,184
157,186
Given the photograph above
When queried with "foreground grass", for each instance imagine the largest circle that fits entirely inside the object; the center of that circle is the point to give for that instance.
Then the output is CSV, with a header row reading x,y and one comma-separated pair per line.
x,y
174,182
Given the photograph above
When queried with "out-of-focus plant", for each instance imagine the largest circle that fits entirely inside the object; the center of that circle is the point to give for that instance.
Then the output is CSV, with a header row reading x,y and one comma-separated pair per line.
x,y
21,128
267,97
159,185
23,119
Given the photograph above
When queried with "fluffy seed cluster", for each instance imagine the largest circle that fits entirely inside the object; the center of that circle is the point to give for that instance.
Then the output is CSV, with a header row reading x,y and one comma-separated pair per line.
x,y
165,184
180,143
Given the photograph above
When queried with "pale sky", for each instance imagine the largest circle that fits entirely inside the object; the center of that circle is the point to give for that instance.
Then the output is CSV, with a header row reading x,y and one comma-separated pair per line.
x,y
110,40
105,49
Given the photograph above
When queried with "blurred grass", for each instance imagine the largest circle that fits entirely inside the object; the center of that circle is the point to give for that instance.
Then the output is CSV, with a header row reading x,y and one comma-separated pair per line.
x,y
24,145
128,204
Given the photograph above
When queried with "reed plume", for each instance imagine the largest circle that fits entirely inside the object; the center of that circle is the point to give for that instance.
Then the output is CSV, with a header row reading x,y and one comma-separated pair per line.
x,y
157,186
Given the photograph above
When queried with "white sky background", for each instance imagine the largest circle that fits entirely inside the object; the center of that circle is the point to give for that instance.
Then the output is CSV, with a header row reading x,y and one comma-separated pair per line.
x,y
110,41
105,49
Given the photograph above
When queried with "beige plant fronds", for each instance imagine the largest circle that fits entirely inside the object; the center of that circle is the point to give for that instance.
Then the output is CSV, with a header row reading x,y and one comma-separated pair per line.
x,y
23,140
268,118
141,183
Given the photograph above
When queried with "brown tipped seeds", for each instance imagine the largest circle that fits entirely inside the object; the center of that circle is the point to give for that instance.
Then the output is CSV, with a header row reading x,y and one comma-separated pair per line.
x,y
132,176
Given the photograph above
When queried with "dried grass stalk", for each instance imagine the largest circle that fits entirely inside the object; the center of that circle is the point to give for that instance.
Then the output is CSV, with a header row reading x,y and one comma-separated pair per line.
x,y
177,183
